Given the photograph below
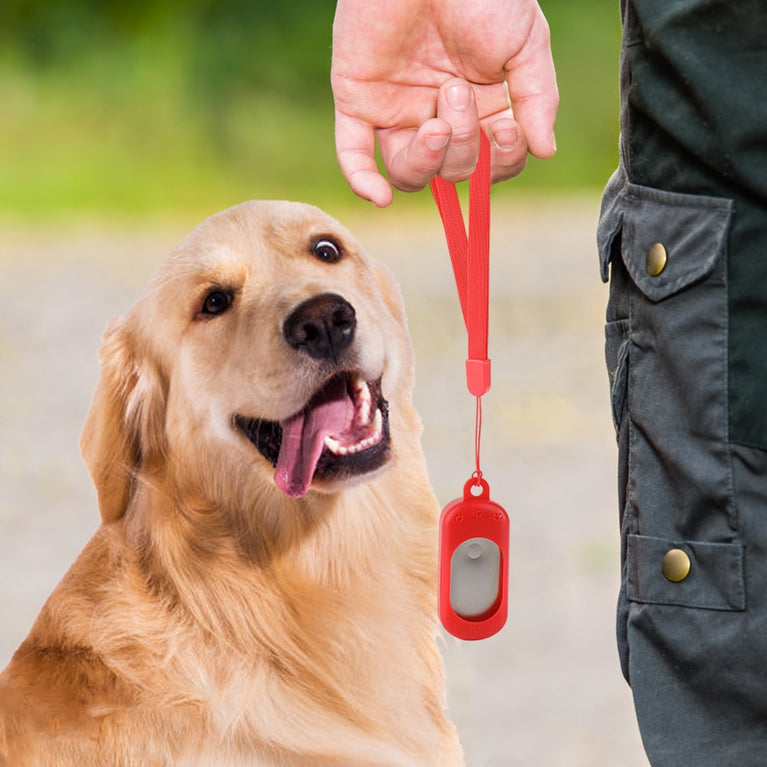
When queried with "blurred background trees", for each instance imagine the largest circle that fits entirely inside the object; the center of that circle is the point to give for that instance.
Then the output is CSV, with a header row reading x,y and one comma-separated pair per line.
x,y
165,107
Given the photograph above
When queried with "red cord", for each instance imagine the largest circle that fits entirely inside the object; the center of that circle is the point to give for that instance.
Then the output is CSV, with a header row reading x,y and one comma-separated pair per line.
x,y
477,475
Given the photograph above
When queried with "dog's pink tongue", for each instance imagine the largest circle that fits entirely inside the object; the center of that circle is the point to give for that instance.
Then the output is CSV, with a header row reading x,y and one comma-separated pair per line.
x,y
303,436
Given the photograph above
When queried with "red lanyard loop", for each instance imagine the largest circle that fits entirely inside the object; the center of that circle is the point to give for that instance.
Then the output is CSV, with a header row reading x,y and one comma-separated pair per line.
x,y
470,257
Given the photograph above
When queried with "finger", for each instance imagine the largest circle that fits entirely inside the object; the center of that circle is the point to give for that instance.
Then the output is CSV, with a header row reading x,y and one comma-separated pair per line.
x,y
413,157
533,90
355,149
457,106
508,149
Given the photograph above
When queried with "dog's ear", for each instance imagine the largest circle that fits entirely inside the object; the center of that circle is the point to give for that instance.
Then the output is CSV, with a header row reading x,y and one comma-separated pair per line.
x,y
125,427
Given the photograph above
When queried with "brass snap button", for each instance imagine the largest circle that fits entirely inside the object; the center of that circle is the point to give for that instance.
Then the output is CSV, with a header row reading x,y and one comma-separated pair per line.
x,y
676,565
656,259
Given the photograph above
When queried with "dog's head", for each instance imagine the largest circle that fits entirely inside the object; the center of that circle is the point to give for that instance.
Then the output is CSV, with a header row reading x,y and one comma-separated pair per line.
x,y
267,349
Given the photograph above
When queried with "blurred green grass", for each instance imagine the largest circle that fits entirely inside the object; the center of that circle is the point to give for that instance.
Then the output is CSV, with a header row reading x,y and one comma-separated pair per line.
x,y
170,107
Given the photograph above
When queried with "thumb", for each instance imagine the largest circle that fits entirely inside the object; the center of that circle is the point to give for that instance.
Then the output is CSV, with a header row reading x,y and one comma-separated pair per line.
x,y
355,149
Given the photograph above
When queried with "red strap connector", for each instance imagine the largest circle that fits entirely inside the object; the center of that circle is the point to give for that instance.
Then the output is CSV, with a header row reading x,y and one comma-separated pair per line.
x,y
478,376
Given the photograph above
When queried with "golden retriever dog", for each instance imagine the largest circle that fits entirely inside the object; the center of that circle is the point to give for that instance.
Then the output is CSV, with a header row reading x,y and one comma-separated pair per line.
x,y
261,591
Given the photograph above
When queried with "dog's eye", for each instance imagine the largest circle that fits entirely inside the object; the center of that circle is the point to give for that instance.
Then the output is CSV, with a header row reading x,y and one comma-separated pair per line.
x,y
327,251
216,302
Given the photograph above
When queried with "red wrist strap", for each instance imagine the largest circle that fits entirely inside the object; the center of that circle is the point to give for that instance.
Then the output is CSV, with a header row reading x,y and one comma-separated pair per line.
x,y
470,257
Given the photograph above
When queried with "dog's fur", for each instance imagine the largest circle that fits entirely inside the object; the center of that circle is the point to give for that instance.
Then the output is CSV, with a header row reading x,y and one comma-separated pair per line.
x,y
214,620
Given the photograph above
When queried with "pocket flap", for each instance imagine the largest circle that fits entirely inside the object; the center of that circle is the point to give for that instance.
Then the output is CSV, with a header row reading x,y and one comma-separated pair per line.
x,y
690,228
715,580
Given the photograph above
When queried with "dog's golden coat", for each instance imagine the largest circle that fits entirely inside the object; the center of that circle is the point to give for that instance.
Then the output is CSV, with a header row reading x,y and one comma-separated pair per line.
x,y
212,620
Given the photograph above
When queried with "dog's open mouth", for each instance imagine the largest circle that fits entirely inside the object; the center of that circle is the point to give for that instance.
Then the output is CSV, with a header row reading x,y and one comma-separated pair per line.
x,y
342,431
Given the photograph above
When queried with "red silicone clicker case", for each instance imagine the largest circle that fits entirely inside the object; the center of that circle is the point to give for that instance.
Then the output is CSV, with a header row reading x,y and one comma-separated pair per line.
x,y
473,516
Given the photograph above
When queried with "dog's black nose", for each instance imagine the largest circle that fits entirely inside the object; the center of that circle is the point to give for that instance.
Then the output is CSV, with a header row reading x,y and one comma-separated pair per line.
x,y
322,326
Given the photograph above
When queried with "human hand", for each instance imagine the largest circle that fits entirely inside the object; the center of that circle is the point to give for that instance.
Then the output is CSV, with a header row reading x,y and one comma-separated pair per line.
x,y
423,76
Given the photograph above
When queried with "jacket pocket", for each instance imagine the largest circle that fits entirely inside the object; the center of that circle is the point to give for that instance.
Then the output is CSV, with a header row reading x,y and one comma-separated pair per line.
x,y
666,354
666,345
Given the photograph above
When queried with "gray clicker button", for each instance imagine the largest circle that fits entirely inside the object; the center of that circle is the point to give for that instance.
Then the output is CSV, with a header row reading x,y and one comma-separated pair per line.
x,y
475,571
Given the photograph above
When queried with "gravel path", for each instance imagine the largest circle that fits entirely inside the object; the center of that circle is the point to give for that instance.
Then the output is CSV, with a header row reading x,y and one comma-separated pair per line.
x,y
546,691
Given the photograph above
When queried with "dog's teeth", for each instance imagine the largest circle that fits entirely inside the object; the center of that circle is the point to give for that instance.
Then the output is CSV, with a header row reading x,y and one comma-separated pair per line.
x,y
363,400
335,447
364,412
377,425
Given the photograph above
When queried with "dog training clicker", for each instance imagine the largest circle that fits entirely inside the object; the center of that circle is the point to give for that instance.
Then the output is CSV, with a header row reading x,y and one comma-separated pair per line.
x,y
474,531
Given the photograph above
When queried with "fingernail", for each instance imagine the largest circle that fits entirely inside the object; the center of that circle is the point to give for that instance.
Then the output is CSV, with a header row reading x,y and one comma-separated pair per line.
x,y
506,138
436,141
554,142
459,96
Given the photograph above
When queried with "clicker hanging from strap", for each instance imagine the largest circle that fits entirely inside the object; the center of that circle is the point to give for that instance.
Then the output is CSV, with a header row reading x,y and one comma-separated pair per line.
x,y
474,531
